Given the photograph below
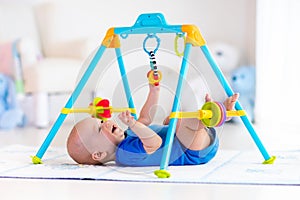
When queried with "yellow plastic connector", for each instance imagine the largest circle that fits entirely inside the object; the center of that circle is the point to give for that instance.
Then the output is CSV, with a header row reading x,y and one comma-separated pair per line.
x,y
162,173
36,160
90,110
111,40
65,111
270,161
94,110
235,113
193,35
200,114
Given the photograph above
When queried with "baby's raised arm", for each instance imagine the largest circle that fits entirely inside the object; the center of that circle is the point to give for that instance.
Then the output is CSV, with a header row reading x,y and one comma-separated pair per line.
x,y
149,109
151,141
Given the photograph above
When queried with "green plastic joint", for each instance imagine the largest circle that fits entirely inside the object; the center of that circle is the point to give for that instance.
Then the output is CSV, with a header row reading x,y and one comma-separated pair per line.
x,y
270,160
36,160
161,173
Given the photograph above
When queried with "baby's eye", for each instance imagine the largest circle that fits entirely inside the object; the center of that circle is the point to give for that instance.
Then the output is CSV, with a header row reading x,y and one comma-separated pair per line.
x,y
100,125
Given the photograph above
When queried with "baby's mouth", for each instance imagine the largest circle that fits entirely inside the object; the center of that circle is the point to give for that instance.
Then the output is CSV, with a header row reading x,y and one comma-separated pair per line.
x,y
113,128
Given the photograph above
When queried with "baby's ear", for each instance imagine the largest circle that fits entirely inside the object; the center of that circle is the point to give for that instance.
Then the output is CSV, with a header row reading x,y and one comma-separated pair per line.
x,y
99,156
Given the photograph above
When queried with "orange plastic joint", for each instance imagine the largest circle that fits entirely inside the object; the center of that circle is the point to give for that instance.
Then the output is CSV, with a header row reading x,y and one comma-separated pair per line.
x,y
193,35
111,40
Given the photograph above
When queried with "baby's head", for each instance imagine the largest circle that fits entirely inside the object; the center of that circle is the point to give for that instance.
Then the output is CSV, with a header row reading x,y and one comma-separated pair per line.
x,y
92,141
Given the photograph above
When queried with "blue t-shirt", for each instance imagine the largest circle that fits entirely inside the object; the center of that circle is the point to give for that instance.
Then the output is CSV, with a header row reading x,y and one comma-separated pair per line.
x,y
130,151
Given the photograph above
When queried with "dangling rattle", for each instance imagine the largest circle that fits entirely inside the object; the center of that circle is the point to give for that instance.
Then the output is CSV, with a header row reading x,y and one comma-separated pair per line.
x,y
154,75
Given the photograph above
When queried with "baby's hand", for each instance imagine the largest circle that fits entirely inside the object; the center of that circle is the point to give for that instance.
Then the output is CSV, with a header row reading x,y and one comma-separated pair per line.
x,y
127,118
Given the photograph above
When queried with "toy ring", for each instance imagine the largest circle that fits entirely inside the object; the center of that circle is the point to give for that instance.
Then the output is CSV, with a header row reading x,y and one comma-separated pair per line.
x,y
223,114
179,35
152,79
157,43
216,114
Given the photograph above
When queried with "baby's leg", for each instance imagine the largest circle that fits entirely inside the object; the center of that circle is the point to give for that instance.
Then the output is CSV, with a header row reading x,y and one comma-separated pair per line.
x,y
192,134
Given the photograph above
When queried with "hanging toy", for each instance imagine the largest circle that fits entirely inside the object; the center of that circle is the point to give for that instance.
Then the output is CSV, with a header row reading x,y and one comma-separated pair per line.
x,y
154,75
179,35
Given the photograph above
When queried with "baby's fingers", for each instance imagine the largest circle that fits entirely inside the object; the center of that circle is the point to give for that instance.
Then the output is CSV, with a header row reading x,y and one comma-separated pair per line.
x,y
122,115
127,113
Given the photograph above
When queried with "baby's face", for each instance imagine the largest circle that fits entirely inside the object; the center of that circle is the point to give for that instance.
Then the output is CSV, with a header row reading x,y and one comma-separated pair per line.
x,y
112,131
97,135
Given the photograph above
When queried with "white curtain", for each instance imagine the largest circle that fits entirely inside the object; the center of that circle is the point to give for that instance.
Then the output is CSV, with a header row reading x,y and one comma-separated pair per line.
x,y
278,63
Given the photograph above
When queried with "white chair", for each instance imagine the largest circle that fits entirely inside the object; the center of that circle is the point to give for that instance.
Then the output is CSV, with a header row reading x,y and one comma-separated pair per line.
x,y
56,69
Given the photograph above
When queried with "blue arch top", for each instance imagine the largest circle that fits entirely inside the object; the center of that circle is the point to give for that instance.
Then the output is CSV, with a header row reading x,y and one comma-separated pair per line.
x,y
149,23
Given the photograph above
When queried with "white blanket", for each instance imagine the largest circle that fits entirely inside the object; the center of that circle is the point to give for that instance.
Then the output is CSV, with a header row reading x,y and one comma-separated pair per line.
x,y
228,167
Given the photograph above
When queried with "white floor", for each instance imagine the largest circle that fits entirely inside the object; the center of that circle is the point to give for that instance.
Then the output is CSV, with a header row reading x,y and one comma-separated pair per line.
x,y
232,137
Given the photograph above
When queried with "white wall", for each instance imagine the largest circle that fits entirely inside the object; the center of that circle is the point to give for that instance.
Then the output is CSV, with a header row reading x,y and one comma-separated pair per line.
x,y
230,21
278,65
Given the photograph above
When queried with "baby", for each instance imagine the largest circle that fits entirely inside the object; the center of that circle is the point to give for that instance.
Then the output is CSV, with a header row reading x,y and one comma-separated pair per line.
x,y
93,141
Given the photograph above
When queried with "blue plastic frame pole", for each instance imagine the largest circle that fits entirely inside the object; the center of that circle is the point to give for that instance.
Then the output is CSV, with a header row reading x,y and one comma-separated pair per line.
x,y
238,106
125,81
173,121
70,102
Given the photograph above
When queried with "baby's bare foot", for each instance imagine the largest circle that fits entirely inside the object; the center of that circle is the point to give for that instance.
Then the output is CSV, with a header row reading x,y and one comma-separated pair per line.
x,y
207,98
229,103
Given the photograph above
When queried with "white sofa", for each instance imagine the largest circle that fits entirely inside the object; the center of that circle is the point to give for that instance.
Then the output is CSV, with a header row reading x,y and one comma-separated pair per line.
x,y
50,65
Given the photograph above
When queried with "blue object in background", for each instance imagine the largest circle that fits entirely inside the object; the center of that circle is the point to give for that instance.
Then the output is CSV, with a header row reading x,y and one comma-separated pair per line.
x,y
11,115
243,81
